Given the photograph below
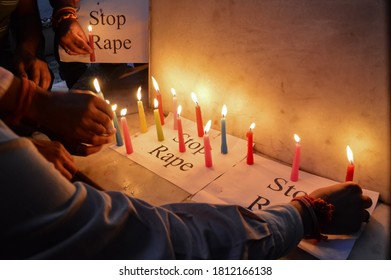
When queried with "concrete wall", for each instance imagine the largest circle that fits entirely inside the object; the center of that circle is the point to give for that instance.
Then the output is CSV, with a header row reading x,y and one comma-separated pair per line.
x,y
312,67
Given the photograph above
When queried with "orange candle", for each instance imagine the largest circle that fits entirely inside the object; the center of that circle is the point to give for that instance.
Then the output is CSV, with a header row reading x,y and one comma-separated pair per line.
x,y
125,132
159,99
200,127
250,155
350,169
91,43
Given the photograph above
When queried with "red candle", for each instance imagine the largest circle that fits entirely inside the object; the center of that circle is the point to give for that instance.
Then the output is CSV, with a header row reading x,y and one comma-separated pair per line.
x,y
296,160
182,147
125,132
91,43
350,169
250,155
207,147
200,126
159,99
174,108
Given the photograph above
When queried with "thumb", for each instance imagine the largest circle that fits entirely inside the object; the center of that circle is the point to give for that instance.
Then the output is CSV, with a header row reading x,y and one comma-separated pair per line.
x,y
21,70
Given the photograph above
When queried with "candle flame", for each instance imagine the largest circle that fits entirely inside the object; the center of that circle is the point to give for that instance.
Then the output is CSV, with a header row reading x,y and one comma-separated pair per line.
x,y
252,126
155,103
107,101
194,97
155,84
207,126
139,93
96,85
224,111
297,138
123,112
349,154
173,91
114,107
89,28
179,110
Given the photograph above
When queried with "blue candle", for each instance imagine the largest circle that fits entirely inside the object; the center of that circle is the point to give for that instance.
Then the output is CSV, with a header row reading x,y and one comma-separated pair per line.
x,y
224,148
118,136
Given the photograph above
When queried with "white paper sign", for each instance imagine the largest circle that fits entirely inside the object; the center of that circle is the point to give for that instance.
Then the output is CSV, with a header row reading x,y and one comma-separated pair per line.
x,y
186,170
267,183
120,31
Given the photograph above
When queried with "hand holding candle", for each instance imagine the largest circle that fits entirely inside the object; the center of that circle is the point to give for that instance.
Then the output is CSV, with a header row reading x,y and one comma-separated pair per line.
x,y
97,88
125,131
174,108
141,114
350,169
159,129
159,99
250,155
224,148
182,147
118,135
296,160
200,127
207,147
91,43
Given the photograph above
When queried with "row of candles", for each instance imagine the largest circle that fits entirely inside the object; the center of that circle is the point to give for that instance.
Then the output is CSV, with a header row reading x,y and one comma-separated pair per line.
x,y
201,131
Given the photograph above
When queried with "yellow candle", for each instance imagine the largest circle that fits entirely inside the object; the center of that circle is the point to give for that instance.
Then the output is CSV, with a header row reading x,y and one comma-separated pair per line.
x,y
143,122
159,129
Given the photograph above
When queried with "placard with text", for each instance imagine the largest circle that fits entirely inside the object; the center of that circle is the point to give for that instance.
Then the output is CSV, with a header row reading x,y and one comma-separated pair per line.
x,y
120,31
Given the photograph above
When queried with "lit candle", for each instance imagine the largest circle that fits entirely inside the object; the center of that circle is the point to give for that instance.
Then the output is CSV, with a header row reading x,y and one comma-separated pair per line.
x,y
118,135
350,169
296,160
200,126
224,148
97,88
174,108
141,114
125,131
182,147
159,99
91,43
250,155
207,147
159,129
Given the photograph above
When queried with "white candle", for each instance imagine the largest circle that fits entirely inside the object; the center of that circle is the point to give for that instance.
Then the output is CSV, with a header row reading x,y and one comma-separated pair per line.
x,y
174,108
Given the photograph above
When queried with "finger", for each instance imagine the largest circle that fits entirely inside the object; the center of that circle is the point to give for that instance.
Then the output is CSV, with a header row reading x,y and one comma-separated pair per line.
x,y
65,172
367,201
85,150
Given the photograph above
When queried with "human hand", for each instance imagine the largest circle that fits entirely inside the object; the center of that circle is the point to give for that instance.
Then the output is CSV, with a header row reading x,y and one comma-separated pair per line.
x,y
33,68
77,117
55,152
72,38
350,205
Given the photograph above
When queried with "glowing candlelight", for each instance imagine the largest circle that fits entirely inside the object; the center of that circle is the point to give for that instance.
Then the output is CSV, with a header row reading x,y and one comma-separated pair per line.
x,y
207,147
200,126
296,160
159,129
159,99
118,135
91,43
97,88
174,108
141,114
250,155
182,147
224,148
125,131
350,169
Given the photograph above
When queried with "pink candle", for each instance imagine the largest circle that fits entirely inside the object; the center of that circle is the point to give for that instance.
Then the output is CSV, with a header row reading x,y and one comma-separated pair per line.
x,y
174,108
159,99
182,147
207,147
91,43
125,132
200,127
350,169
296,160
250,155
